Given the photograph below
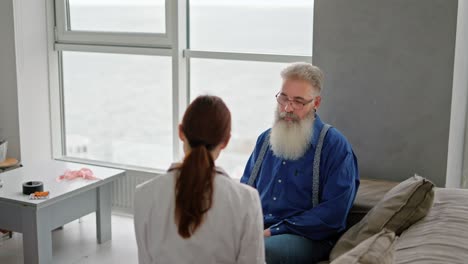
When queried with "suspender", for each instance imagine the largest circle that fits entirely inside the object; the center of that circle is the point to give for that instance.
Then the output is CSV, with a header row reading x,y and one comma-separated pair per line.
x,y
316,171
258,162
316,168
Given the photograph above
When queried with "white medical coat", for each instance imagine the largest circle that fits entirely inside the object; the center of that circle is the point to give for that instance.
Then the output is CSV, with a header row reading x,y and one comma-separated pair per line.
x,y
231,232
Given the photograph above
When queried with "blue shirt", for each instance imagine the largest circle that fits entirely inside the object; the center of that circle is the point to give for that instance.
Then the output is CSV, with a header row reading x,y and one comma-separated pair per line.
x,y
285,187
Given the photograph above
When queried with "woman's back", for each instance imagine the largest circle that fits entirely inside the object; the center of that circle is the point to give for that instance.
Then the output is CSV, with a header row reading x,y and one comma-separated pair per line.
x,y
231,231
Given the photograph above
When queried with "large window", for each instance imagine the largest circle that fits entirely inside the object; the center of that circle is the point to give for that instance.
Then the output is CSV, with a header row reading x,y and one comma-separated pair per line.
x,y
123,71
253,26
145,16
118,107
248,88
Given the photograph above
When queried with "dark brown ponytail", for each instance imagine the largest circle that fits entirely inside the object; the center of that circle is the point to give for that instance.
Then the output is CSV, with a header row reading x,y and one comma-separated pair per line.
x,y
206,124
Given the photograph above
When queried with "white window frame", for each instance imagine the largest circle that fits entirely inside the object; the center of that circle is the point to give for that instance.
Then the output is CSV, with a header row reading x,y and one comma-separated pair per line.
x,y
65,35
173,43
255,57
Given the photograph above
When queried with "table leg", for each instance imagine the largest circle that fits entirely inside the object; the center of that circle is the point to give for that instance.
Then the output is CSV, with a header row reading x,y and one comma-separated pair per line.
x,y
37,237
103,213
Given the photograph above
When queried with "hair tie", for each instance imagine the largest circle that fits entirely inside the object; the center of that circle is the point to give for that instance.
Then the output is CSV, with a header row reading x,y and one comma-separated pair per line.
x,y
196,143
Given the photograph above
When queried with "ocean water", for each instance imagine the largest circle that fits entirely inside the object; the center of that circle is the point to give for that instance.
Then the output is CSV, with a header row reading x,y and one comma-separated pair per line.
x,y
118,107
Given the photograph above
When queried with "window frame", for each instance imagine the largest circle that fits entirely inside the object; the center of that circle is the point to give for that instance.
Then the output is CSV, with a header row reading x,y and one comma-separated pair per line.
x,y
174,43
65,35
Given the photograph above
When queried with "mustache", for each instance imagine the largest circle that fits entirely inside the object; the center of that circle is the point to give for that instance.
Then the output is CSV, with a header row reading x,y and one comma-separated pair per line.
x,y
292,116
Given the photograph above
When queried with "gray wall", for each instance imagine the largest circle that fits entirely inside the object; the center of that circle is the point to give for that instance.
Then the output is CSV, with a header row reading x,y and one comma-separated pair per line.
x,y
389,69
9,125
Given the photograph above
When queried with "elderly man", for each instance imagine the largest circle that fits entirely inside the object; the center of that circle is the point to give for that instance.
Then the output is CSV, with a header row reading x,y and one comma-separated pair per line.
x,y
305,172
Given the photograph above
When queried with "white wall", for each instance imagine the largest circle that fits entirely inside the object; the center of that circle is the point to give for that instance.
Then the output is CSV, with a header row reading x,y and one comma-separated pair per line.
x,y
457,163
9,125
32,72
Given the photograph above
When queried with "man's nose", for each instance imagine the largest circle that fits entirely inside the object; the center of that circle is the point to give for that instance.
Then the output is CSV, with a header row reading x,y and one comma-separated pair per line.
x,y
288,107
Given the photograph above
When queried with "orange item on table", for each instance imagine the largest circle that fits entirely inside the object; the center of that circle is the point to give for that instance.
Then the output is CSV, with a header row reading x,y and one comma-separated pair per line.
x,y
41,194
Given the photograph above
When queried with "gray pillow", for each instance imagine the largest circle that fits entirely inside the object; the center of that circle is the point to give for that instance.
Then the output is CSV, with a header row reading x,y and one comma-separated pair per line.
x,y
402,206
377,249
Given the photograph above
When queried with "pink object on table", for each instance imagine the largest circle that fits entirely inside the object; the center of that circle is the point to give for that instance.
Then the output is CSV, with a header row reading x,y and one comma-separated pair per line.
x,y
84,173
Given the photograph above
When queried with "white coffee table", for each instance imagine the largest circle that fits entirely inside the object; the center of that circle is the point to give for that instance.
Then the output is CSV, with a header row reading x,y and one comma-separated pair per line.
x,y
68,200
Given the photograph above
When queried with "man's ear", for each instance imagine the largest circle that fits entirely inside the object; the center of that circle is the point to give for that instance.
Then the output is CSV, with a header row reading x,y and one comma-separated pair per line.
x,y
317,101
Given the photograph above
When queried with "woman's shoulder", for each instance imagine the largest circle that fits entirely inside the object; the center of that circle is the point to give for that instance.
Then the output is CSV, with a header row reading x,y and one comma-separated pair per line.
x,y
234,188
159,182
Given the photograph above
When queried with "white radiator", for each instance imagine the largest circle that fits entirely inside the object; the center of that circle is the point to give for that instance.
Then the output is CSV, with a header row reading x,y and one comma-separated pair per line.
x,y
124,191
124,188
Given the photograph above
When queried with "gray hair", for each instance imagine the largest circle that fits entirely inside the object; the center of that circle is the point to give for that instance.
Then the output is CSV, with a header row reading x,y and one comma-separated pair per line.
x,y
304,71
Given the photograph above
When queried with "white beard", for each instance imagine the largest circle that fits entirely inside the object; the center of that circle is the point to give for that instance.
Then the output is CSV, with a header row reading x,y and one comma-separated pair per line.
x,y
290,140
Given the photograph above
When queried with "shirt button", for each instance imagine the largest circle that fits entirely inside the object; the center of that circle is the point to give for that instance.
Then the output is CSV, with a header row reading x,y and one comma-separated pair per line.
x,y
274,198
270,215
284,162
279,180
277,228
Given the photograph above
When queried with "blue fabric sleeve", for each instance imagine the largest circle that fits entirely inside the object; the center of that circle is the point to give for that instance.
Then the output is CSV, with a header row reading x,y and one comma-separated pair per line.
x,y
279,228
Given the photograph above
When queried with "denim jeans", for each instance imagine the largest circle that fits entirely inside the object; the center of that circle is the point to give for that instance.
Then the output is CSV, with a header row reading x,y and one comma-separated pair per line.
x,y
292,249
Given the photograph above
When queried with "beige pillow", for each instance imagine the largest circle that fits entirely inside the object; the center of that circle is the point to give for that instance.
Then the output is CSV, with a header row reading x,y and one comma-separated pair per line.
x,y
377,249
402,206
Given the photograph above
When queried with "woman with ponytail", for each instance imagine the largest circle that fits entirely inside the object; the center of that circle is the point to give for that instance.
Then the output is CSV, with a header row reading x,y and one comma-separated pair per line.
x,y
195,213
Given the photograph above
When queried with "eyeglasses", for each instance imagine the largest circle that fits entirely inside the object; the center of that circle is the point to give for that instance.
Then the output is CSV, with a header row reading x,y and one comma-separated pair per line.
x,y
297,104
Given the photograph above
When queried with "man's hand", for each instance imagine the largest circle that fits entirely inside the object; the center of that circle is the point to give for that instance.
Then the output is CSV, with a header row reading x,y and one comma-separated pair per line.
x,y
267,233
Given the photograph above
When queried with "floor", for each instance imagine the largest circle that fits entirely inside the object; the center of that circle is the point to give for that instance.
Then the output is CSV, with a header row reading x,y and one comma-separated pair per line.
x,y
76,243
